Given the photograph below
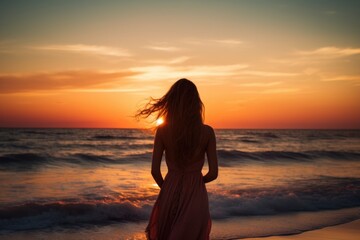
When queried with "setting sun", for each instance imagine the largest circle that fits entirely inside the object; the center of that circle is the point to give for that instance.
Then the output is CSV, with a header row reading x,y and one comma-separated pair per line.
x,y
159,121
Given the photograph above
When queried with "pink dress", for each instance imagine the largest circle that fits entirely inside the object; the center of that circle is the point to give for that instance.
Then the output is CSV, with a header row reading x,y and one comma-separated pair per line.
x,y
181,211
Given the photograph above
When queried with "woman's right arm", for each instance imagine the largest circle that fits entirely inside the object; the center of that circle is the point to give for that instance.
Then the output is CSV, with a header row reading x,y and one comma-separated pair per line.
x,y
156,159
212,158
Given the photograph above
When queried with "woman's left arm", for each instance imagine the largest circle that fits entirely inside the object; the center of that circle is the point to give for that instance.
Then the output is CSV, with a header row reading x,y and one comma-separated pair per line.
x,y
156,158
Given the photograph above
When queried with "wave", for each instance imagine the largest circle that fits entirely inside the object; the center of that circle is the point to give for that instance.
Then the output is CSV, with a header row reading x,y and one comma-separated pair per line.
x,y
324,193
39,132
333,134
45,131
29,161
36,215
33,161
112,137
248,140
262,134
273,156
315,195
22,161
90,158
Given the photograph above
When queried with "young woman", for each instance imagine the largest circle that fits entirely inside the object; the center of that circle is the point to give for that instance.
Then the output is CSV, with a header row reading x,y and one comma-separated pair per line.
x,y
181,210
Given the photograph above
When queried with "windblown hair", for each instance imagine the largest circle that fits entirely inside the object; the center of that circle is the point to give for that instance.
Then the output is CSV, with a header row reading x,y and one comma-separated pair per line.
x,y
183,113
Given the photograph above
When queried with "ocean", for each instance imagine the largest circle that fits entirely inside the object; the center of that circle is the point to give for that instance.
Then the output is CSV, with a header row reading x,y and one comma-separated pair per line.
x,y
96,183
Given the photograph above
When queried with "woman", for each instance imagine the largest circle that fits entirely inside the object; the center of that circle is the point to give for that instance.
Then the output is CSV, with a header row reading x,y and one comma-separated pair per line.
x,y
181,210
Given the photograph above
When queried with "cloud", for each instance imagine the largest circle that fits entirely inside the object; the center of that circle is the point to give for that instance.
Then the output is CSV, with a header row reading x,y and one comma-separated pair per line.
x,y
316,56
58,80
120,81
163,48
341,78
87,49
169,61
259,84
228,41
281,90
160,72
270,91
332,52
115,90
268,74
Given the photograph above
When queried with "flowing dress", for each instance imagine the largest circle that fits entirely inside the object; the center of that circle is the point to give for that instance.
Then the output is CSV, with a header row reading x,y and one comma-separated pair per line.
x,y
181,211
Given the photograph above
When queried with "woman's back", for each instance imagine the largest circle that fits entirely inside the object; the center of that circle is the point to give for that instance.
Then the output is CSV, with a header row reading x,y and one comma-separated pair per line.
x,y
194,163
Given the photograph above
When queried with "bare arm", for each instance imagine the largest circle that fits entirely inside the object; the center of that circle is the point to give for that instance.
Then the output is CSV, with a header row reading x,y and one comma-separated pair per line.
x,y
156,159
212,158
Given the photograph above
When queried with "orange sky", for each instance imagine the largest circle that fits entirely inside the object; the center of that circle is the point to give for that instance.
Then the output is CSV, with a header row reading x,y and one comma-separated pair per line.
x,y
257,64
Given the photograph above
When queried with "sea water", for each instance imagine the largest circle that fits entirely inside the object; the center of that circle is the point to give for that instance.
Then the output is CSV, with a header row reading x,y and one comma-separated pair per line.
x,y
76,183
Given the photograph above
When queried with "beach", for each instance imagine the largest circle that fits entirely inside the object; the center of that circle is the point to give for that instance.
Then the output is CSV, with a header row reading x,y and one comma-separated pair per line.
x,y
348,231
96,183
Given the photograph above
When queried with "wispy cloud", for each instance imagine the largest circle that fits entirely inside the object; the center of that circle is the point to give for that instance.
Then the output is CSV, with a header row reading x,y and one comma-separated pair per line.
x,y
163,48
259,84
228,41
315,56
268,74
281,90
341,78
270,91
332,52
58,80
88,49
115,90
159,72
169,61
174,72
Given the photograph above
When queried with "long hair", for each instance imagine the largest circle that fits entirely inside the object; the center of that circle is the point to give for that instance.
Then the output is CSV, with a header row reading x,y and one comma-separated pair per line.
x,y
183,113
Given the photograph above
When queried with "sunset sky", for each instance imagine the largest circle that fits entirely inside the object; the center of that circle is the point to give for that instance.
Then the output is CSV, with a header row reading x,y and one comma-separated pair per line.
x,y
257,64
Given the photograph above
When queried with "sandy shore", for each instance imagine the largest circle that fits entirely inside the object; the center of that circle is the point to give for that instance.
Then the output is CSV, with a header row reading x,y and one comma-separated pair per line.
x,y
347,231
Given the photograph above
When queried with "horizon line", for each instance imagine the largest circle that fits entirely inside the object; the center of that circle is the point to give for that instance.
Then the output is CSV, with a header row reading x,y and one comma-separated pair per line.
x,y
134,128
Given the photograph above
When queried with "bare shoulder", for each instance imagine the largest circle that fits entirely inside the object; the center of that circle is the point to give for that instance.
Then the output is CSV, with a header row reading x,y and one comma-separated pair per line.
x,y
160,128
208,129
161,131
209,132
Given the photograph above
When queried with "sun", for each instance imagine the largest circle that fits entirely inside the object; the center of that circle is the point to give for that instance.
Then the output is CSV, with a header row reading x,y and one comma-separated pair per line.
x,y
159,121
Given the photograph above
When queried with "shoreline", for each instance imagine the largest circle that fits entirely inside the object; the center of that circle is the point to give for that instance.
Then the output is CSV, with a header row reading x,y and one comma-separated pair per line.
x,y
344,231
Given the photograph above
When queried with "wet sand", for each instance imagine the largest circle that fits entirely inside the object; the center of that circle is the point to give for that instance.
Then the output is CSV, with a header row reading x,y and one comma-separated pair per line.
x,y
347,231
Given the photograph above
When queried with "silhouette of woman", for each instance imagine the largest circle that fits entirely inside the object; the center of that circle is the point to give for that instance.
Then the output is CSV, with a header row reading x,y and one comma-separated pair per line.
x,y
181,210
